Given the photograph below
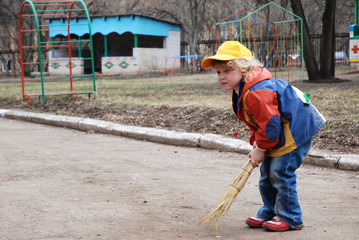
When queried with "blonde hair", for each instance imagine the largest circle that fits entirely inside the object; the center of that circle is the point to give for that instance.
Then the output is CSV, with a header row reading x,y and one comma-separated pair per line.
x,y
244,64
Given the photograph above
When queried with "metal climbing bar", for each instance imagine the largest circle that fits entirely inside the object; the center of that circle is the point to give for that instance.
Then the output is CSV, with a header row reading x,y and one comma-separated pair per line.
x,y
45,46
45,15
41,12
55,77
47,5
72,41
43,30
51,2
63,10
53,61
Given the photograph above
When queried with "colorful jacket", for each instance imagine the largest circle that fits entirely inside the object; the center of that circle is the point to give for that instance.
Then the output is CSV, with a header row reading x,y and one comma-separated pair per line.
x,y
280,117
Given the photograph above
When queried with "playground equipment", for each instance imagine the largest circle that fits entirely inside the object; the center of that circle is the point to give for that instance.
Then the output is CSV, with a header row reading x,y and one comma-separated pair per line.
x,y
35,15
272,33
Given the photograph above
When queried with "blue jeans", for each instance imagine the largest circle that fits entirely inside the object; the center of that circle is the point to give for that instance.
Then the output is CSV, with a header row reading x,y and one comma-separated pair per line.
x,y
278,186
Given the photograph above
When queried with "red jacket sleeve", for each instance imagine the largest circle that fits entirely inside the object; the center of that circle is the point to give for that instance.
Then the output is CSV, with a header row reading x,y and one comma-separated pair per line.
x,y
263,106
252,136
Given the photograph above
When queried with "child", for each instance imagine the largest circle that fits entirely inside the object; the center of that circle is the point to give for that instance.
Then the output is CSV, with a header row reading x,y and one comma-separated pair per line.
x,y
282,122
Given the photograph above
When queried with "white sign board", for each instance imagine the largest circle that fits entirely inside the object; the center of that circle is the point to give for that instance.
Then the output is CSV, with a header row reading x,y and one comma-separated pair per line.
x,y
354,50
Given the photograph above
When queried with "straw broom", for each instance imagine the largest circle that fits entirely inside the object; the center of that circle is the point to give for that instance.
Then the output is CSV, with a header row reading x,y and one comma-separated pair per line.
x,y
229,195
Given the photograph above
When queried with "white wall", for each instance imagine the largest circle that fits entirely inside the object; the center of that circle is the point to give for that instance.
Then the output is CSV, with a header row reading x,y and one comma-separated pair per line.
x,y
173,43
150,58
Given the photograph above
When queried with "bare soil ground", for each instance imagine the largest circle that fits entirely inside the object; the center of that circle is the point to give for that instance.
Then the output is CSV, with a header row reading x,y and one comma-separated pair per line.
x,y
335,136
57,183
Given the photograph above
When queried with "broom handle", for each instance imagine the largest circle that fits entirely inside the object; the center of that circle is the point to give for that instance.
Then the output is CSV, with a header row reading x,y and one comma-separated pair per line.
x,y
245,172
248,167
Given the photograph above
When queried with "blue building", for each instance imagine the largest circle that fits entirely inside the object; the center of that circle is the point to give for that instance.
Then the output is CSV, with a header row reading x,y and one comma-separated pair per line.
x,y
125,44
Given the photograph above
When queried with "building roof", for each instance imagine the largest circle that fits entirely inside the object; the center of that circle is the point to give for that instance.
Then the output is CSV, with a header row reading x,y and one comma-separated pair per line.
x,y
135,24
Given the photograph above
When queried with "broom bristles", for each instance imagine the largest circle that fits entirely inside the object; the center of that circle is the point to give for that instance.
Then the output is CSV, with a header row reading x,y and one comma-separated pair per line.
x,y
229,195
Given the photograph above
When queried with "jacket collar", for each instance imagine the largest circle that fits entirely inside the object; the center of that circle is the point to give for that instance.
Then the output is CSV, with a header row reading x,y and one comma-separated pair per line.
x,y
255,76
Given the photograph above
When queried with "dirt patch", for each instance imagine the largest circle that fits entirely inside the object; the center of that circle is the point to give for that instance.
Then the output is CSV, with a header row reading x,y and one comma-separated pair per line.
x,y
337,135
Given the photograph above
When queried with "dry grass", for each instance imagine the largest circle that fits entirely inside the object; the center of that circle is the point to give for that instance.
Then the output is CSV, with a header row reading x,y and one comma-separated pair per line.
x,y
193,103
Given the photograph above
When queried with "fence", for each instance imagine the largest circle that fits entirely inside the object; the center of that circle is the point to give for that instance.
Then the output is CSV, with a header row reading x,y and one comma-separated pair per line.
x,y
208,47
8,60
341,45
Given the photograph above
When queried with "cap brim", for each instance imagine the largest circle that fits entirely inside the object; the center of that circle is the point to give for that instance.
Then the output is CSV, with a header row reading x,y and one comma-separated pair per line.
x,y
206,63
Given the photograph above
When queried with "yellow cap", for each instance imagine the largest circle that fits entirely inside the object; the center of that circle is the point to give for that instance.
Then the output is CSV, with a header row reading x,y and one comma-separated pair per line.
x,y
229,50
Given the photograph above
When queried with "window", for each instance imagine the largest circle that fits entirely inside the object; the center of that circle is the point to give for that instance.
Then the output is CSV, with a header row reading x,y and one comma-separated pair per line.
x,y
145,41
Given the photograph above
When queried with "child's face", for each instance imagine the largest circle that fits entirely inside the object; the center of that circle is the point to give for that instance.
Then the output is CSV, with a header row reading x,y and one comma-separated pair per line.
x,y
228,77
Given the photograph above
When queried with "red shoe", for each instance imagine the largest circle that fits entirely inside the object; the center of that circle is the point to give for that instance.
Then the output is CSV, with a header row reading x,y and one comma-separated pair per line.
x,y
279,225
255,222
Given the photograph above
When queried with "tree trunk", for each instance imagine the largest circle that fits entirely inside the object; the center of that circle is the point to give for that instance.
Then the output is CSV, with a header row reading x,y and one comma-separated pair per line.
x,y
327,63
308,51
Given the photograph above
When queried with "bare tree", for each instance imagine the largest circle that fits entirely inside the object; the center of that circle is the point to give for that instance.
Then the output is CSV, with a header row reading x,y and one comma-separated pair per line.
x,y
109,7
9,26
308,51
327,64
190,14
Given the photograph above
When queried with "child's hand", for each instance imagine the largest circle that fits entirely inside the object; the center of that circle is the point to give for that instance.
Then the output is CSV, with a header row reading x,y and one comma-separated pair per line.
x,y
256,157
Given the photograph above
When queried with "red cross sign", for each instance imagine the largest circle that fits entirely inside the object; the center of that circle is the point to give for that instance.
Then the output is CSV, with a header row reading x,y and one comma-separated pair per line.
x,y
355,49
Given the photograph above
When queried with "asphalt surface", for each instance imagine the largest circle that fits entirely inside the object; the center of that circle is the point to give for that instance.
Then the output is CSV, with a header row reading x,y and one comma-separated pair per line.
x,y
61,183
317,157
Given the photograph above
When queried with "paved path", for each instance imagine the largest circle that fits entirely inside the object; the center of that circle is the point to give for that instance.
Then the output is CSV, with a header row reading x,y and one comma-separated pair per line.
x,y
58,183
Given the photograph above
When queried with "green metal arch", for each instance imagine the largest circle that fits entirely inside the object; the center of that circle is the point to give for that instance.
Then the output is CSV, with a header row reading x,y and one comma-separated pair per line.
x,y
32,4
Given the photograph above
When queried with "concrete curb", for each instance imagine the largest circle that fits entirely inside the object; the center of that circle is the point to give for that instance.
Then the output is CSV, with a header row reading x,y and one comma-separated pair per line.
x,y
209,141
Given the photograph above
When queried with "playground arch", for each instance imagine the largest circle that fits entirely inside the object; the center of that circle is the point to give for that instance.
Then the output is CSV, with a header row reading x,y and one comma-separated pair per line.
x,y
272,33
41,84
